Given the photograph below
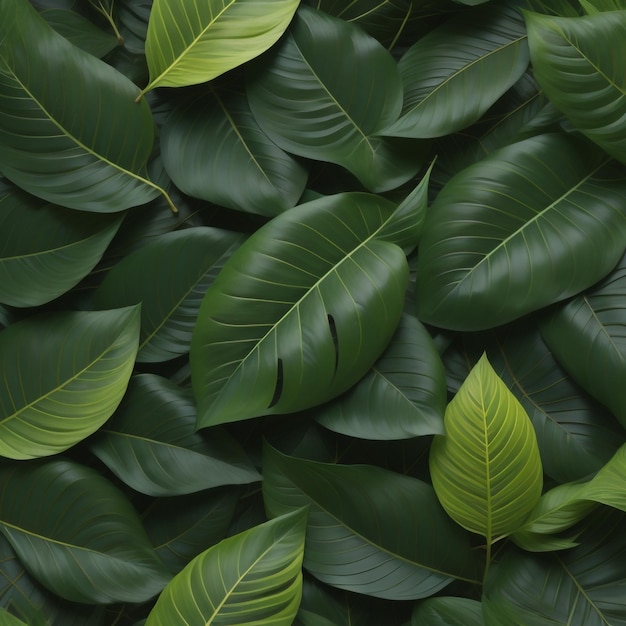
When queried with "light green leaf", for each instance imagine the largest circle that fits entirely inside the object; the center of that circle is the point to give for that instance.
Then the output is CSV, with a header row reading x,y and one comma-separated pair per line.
x,y
324,93
63,375
370,531
252,578
486,470
580,63
151,443
192,42
52,144
454,73
77,534
592,7
300,311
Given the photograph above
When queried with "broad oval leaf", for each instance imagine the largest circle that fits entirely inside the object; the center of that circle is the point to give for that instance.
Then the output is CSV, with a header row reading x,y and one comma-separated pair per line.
x,y
588,337
252,578
370,531
45,250
301,310
546,206
402,396
214,149
169,277
486,470
454,73
151,443
77,534
63,375
324,93
192,42
53,145
448,611
580,63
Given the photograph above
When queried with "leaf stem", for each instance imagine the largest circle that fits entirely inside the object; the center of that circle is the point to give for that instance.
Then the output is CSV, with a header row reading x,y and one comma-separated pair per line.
x,y
487,559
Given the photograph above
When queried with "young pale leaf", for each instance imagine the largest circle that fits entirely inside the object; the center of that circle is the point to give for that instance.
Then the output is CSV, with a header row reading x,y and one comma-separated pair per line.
x,y
169,277
193,41
456,72
324,93
69,130
580,63
300,311
77,534
62,376
531,224
486,470
151,443
252,578
371,531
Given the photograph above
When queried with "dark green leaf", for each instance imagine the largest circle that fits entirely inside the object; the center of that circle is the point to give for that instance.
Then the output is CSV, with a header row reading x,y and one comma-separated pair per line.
x,y
448,611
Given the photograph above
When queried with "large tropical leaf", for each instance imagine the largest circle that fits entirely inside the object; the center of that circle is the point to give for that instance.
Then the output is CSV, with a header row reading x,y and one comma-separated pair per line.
x,y
588,336
151,443
456,72
63,375
52,143
580,587
323,94
575,434
192,42
169,276
402,396
531,224
580,63
302,309
448,611
214,149
486,470
45,250
77,534
370,530
252,578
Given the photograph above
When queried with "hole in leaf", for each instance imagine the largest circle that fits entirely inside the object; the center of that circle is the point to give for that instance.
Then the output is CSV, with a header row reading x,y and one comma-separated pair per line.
x,y
278,390
333,333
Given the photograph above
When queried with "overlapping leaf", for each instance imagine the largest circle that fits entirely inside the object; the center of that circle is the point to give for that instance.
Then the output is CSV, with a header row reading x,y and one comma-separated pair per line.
x,y
580,63
169,276
370,530
252,578
324,93
77,534
151,443
192,42
69,130
63,375
546,206
302,309
448,611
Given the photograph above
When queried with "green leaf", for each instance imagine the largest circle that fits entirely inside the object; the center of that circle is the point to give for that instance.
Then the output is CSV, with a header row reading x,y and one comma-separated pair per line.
x,y
370,531
151,443
545,207
323,94
599,6
252,578
448,611
588,337
63,375
454,73
580,63
581,587
53,145
402,396
169,276
6,619
486,470
192,42
46,250
213,149
300,312
77,534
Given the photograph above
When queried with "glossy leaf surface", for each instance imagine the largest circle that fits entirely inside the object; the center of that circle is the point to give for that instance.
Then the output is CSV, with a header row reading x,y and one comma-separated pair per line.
x,y
77,534
63,375
253,577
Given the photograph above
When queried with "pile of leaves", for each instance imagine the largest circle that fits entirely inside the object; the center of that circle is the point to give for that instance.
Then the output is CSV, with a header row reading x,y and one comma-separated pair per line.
x,y
312,313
